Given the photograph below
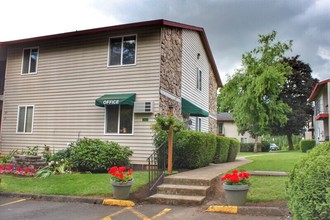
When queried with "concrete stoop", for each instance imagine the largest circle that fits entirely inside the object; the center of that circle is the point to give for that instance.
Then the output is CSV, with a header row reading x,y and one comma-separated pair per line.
x,y
182,191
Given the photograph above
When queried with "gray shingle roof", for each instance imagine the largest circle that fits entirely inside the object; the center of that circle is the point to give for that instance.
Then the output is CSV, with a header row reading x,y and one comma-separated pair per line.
x,y
224,116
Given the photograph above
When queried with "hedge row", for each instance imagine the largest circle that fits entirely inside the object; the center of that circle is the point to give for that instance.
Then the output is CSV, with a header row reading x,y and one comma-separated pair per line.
x,y
193,149
308,187
198,149
306,145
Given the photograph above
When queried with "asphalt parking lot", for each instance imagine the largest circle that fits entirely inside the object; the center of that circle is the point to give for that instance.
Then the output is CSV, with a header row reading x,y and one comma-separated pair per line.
x,y
12,208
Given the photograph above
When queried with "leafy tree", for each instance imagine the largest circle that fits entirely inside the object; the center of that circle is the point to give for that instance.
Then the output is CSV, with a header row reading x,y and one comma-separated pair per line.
x,y
251,94
298,87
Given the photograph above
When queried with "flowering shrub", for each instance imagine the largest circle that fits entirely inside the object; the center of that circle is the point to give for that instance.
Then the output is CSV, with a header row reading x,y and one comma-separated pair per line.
x,y
54,167
118,174
16,170
236,178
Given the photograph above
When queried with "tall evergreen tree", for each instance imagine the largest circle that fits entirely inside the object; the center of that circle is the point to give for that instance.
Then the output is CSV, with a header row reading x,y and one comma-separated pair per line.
x,y
298,87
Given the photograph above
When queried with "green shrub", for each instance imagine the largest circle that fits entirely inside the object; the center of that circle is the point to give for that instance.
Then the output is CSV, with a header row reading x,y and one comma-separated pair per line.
x,y
308,187
233,149
193,149
264,146
306,145
95,155
221,152
246,147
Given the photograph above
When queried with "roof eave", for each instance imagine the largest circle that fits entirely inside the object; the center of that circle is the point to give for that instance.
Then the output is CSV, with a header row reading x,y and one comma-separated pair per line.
x,y
316,89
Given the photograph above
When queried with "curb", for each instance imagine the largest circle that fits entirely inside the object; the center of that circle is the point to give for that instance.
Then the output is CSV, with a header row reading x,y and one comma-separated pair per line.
x,y
73,199
54,198
249,210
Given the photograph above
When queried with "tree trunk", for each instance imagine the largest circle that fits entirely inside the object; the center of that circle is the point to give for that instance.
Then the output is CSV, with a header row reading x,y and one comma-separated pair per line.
x,y
255,149
290,141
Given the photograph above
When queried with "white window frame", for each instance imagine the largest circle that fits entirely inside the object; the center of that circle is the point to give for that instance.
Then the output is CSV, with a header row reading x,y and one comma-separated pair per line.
x,y
29,67
25,117
199,79
121,52
118,129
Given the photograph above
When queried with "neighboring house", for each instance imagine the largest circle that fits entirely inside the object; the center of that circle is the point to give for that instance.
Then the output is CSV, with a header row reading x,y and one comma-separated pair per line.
x,y
228,128
106,83
321,98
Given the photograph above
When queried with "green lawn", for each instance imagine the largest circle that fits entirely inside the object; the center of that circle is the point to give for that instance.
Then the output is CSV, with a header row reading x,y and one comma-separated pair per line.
x,y
270,188
273,161
67,184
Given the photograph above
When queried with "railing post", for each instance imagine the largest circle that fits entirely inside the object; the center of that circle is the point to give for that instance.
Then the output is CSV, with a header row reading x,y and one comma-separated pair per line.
x,y
170,144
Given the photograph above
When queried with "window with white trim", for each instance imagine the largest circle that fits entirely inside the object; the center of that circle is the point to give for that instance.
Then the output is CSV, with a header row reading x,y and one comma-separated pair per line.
x,y
25,119
30,60
244,140
119,119
199,79
122,50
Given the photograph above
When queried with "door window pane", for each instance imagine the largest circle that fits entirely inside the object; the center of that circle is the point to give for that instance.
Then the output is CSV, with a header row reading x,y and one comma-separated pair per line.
x,y
126,119
112,118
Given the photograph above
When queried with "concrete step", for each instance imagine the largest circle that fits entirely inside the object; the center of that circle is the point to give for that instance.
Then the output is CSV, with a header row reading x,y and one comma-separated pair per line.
x,y
176,199
183,190
188,181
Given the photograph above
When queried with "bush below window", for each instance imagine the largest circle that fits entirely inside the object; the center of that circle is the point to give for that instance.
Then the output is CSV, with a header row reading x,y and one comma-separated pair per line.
x,y
308,186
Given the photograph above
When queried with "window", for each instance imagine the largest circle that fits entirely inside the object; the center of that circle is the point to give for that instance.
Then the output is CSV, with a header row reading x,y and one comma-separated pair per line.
x,y
244,140
24,119
220,128
199,79
122,50
198,124
30,60
119,119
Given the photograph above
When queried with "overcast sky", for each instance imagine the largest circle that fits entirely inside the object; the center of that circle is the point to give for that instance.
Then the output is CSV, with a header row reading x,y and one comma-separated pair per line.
x,y
232,26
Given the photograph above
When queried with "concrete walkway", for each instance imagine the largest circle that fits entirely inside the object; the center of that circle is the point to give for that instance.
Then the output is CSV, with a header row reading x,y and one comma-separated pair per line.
x,y
212,171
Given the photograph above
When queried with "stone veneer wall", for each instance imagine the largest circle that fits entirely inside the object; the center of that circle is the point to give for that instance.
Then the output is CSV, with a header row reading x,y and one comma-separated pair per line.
x,y
213,88
171,68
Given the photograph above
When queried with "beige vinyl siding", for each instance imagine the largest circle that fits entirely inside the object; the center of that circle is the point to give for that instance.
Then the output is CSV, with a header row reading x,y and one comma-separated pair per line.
x,y
191,46
72,73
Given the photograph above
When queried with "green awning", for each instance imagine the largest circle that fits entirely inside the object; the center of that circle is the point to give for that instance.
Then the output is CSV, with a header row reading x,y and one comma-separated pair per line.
x,y
192,109
115,99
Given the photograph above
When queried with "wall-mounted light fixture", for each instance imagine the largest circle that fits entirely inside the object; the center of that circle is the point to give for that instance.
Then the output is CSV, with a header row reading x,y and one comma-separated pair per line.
x,y
198,56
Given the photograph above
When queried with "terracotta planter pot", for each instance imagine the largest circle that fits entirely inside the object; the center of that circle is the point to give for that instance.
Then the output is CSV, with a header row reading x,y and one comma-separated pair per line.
x,y
121,190
236,194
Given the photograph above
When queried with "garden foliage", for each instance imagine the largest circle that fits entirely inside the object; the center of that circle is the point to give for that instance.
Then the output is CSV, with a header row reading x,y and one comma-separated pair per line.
x,y
221,152
233,149
308,186
193,149
306,145
95,155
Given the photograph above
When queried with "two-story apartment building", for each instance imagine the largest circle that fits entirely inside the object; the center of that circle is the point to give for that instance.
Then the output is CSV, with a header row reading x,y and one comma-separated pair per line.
x,y
106,83
321,98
